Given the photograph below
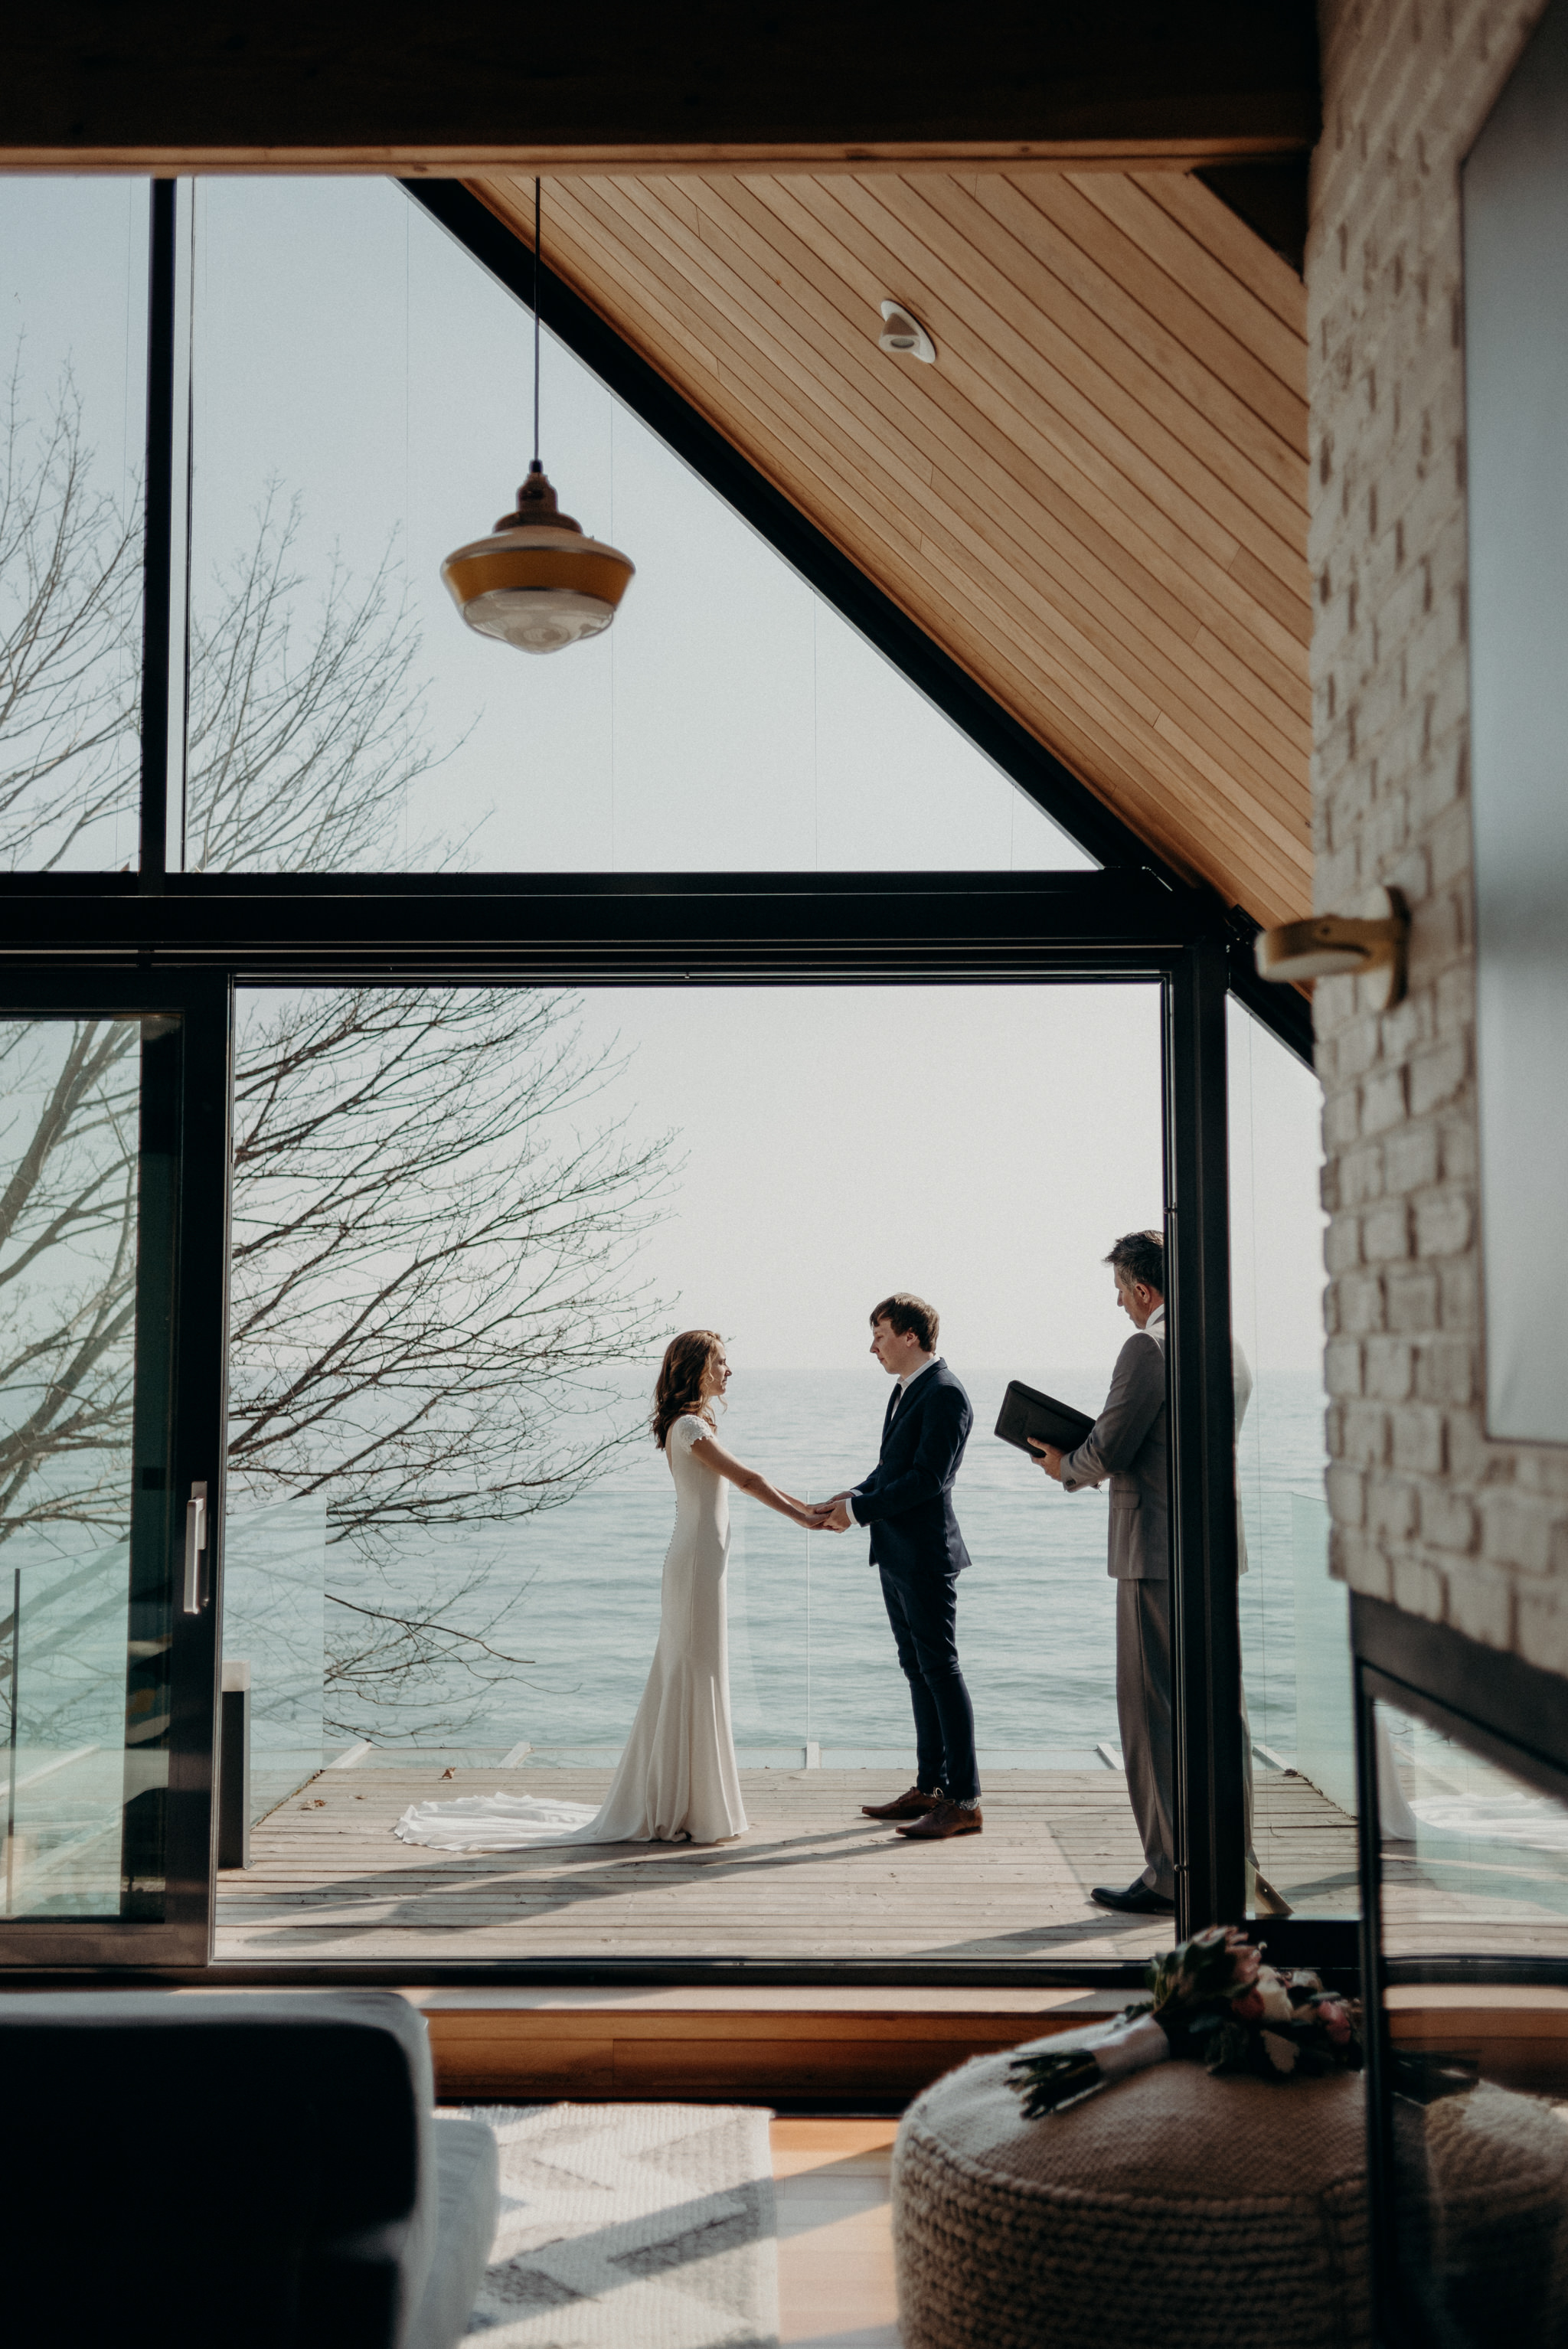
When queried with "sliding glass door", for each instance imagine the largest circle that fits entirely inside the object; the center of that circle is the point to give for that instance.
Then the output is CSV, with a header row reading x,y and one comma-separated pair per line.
x,y
113,1103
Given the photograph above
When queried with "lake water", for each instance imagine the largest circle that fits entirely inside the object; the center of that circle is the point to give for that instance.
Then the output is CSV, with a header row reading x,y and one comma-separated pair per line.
x,y
811,1657
577,1589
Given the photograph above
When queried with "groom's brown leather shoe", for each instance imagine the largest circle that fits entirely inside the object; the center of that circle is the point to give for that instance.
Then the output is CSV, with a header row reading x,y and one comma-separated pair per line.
x,y
946,1819
911,1805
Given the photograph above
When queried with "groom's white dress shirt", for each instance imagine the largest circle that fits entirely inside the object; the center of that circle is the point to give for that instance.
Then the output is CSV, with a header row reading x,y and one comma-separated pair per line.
x,y
905,1381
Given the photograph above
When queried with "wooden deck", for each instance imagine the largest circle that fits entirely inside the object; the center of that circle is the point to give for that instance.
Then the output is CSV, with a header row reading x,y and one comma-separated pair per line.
x,y
811,1879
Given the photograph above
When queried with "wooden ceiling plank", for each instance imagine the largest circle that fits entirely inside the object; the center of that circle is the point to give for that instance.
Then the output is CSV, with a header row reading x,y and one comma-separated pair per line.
x,y
1139,656
1171,433
1275,739
1138,447
1170,803
666,318
1257,464
1189,264
994,339
1018,369
1291,835
1047,606
1220,654
1184,570
954,596
1292,610
1278,655
963,433
1279,408
791,350
1263,272
1155,735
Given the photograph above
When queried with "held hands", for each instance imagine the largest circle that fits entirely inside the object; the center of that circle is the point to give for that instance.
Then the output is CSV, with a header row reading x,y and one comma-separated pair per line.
x,y
831,1517
1047,1455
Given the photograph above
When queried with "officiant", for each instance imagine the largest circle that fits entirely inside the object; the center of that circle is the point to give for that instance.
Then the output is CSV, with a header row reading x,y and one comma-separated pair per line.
x,y
1127,1444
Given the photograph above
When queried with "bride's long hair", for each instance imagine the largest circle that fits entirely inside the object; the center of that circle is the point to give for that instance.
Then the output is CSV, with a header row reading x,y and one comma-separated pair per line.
x,y
682,1375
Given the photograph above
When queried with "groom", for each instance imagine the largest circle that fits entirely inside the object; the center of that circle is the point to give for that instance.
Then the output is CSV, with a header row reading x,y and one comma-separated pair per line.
x,y
907,1503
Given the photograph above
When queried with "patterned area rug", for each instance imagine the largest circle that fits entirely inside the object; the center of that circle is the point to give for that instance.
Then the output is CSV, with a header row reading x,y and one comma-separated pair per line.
x,y
632,2227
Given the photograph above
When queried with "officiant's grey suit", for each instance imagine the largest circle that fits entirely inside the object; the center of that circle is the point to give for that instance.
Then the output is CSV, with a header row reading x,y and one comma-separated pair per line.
x,y
1127,1444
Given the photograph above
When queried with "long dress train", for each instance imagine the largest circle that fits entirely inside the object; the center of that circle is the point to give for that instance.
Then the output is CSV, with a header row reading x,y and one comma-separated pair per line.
x,y
677,1776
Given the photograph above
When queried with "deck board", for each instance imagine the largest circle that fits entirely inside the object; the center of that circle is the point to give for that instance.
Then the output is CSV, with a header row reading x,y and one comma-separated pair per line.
x,y
810,1878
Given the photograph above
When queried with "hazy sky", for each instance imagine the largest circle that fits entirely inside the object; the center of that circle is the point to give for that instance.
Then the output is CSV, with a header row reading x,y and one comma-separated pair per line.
x,y
981,1145
347,347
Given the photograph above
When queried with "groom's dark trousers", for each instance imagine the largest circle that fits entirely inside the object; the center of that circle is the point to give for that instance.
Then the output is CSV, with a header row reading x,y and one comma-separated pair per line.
x,y
906,1503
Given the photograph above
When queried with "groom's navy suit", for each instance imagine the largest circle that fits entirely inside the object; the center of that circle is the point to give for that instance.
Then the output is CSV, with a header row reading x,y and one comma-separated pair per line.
x,y
906,1504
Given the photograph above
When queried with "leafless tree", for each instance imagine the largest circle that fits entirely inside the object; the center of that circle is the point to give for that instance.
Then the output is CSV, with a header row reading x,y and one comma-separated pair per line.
x,y
67,1269
306,720
432,1274
68,609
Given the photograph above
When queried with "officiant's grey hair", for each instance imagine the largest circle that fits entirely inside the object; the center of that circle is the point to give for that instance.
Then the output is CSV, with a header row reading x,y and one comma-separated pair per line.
x,y
1139,1256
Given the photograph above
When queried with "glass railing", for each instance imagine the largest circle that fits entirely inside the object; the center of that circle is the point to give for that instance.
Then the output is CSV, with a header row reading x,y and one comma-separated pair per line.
x,y
275,1605
550,1625
69,1761
1294,1619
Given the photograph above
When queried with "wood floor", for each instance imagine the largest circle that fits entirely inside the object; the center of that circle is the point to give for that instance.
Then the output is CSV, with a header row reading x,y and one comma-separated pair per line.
x,y
835,2234
810,1878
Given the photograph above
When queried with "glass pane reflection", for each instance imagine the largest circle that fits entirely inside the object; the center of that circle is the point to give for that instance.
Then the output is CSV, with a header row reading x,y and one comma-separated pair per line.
x,y
85,1548
73,396
1473,1859
1294,1619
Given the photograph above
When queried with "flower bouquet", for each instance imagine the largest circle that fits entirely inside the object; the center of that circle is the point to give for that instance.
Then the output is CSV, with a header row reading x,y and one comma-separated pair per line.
x,y
1214,2003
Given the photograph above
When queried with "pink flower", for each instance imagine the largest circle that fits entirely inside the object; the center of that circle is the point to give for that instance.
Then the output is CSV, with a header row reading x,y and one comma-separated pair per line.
x,y
1248,2008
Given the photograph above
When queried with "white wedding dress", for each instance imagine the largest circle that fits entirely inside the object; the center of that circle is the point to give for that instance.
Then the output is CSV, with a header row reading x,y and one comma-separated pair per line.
x,y
678,1778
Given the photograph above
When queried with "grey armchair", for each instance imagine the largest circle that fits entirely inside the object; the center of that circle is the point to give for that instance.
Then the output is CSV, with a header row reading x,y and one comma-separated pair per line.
x,y
234,2171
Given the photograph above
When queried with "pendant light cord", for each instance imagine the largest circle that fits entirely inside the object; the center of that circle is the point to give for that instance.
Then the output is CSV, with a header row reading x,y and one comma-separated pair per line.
x,y
536,235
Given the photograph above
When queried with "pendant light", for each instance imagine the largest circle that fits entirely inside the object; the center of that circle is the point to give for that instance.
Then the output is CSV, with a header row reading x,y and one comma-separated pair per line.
x,y
537,581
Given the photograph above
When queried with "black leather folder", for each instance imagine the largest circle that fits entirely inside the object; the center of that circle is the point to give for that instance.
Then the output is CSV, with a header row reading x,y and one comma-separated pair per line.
x,y
1025,1412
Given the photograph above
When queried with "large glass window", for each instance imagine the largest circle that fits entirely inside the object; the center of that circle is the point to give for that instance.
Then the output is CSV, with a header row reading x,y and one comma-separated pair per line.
x,y
362,405
72,398
465,1224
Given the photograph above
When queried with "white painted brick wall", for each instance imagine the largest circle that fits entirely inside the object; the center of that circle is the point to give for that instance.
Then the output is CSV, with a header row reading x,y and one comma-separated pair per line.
x,y
1426,1512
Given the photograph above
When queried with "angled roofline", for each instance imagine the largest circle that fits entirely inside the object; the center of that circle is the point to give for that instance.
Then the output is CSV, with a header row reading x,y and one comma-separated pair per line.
x,y
1010,746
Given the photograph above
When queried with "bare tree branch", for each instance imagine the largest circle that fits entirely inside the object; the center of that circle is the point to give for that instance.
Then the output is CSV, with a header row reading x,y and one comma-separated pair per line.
x,y
434,1227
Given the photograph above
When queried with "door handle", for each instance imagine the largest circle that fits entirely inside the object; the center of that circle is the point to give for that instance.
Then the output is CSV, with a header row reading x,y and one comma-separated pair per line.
x,y
195,1543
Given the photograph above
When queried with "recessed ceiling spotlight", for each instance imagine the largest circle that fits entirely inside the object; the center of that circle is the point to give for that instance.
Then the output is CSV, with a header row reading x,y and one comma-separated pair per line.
x,y
904,334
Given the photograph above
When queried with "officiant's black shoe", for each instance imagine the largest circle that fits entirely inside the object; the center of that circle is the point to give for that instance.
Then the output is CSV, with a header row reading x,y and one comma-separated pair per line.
x,y
946,1819
911,1805
1139,1900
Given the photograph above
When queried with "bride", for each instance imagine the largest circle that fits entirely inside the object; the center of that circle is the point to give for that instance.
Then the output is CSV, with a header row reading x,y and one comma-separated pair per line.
x,y
676,1781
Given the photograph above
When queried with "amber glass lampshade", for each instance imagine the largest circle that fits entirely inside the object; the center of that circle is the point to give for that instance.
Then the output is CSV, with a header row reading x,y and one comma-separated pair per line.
x,y
537,581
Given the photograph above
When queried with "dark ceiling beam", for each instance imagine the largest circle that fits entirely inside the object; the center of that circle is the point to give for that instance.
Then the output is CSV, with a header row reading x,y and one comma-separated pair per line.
x,y
564,929
694,84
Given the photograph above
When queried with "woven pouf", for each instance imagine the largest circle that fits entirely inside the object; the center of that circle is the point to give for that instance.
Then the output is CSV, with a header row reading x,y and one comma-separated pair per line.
x,y
1169,2208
